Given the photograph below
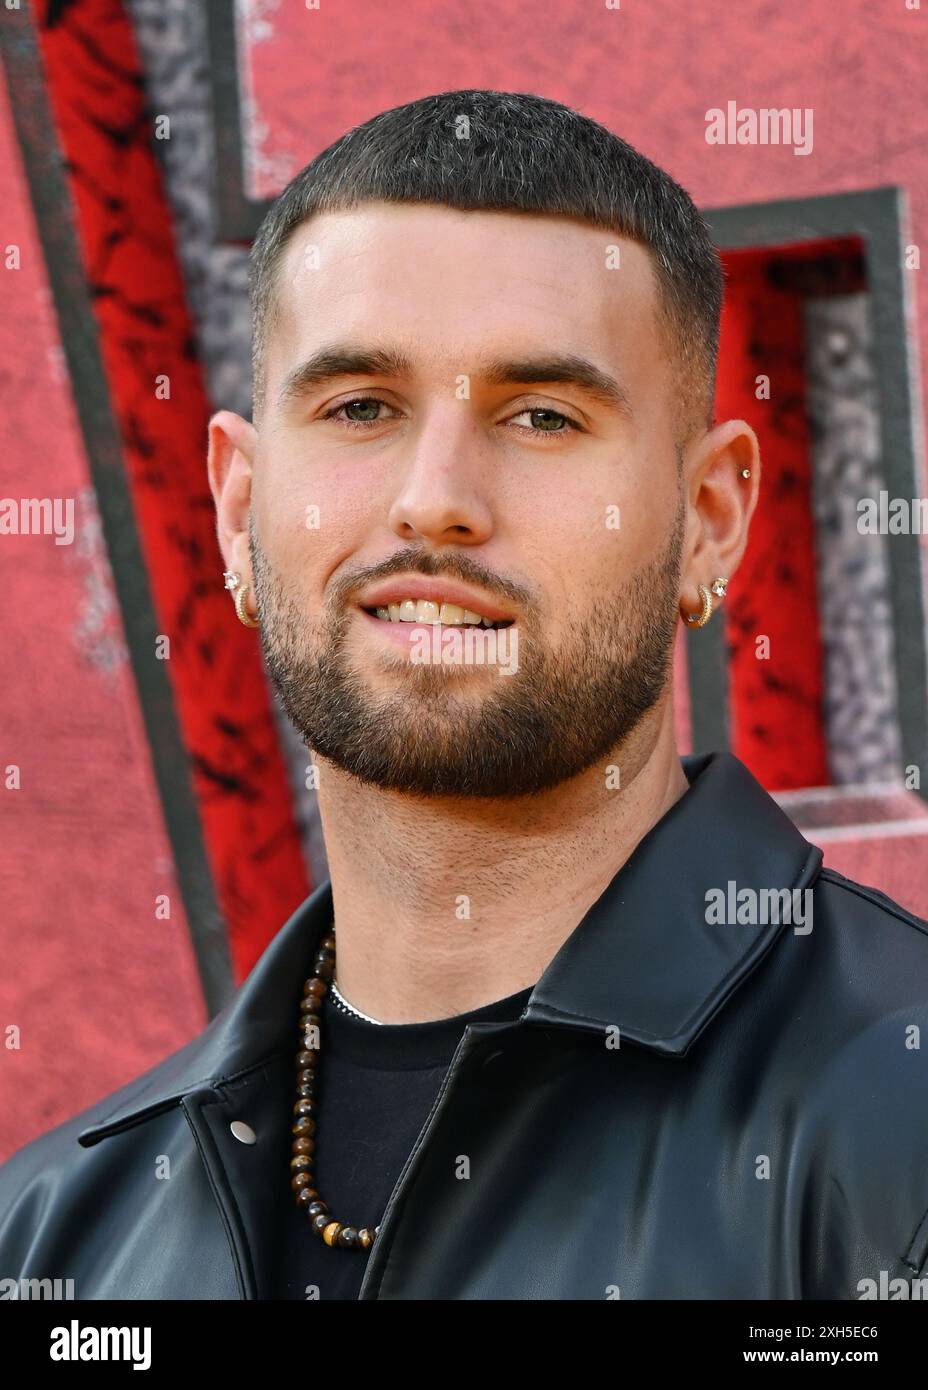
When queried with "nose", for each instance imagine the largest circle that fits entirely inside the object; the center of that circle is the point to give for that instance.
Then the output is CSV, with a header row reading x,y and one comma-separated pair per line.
x,y
442,496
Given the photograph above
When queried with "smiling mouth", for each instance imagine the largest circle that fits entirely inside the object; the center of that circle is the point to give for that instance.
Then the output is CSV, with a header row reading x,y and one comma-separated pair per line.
x,y
428,613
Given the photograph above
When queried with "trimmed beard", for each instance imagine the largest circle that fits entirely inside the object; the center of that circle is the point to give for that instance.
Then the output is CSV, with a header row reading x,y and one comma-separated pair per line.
x,y
560,713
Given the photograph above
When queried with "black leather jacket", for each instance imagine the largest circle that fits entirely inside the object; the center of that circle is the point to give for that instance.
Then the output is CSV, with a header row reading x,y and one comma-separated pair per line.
x,y
687,1108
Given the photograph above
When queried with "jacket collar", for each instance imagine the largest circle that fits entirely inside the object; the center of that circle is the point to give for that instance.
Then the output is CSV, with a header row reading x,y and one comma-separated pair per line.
x,y
642,959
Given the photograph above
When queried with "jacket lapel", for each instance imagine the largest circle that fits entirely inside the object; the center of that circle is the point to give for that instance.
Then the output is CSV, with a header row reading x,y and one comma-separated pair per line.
x,y
645,958
256,1024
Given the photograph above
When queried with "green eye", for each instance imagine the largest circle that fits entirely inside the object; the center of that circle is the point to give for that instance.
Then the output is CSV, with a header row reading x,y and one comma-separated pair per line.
x,y
550,420
365,403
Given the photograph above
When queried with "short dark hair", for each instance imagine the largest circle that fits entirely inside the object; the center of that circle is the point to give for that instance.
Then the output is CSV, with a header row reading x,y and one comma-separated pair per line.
x,y
521,153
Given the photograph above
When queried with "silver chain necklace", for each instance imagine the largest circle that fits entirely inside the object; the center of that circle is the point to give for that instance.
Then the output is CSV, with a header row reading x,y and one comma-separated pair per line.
x,y
341,1003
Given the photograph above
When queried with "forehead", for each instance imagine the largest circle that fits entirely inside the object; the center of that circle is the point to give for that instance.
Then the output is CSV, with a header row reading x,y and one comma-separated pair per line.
x,y
452,283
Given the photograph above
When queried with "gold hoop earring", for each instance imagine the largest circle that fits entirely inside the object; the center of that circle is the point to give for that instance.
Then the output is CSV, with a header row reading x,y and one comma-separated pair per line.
x,y
233,581
700,619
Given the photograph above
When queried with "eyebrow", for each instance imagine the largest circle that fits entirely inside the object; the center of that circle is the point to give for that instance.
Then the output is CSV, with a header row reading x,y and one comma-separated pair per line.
x,y
556,369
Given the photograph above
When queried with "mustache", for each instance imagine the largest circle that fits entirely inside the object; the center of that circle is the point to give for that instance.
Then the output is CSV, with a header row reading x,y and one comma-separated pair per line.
x,y
450,565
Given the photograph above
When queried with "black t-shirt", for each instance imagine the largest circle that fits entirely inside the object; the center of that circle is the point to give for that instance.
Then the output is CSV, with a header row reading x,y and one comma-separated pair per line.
x,y
377,1085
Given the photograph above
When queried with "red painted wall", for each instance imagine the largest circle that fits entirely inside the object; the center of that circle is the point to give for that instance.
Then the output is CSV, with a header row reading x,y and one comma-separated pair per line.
x,y
98,988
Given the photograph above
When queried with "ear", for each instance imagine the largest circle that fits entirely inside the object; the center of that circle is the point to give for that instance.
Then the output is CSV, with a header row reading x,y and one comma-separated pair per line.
x,y
721,503
230,465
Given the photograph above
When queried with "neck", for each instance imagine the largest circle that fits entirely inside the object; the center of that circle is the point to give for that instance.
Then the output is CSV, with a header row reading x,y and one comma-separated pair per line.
x,y
444,905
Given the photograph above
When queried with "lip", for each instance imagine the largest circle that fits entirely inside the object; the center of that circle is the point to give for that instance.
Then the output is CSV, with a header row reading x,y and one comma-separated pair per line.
x,y
398,634
420,586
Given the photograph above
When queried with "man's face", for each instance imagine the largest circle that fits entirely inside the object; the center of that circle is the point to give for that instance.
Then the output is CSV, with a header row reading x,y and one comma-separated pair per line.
x,y
557,508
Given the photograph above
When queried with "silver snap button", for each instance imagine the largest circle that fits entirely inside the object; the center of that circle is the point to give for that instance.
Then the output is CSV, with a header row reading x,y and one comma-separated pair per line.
x,y
243,1132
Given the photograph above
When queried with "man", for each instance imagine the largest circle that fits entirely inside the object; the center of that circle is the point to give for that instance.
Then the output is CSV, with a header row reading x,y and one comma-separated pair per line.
x,y
573,1017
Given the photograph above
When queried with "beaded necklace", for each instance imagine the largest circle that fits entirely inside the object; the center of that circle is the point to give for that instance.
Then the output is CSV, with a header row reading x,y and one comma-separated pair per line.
x,y
302,1164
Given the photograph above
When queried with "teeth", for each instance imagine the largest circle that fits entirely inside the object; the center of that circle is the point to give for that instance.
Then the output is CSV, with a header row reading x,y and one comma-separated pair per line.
x,y
411,610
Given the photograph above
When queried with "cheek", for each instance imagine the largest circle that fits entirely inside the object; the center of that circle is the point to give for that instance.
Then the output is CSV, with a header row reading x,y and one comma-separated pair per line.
x,y
311,519
582,541
332,493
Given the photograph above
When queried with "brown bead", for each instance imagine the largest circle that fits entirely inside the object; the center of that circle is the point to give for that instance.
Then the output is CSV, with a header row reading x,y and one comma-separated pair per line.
x,y
302,1164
